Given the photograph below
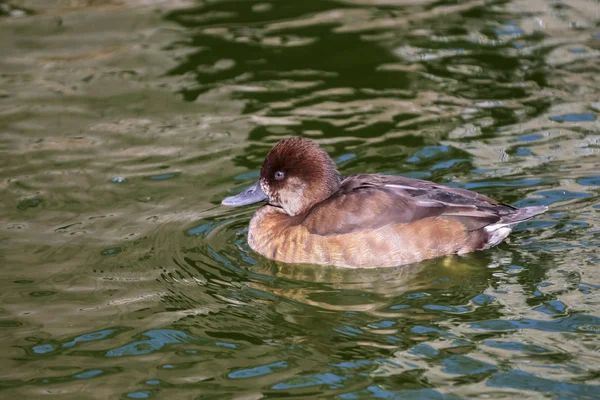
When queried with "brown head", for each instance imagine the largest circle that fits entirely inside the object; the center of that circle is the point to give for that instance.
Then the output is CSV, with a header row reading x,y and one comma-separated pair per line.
x,y
296,175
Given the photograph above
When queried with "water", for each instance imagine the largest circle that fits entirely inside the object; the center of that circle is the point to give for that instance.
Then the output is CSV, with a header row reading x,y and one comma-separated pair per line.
x,y
124,123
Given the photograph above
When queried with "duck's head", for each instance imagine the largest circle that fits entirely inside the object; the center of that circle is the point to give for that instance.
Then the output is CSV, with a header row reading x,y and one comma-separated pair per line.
x,y
296,175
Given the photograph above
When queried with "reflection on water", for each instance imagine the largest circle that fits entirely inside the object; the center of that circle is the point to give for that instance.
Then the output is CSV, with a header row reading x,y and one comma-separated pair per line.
x,y
123,125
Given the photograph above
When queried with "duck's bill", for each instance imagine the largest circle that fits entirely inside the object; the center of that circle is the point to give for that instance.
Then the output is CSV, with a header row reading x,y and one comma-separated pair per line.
x,y
253,194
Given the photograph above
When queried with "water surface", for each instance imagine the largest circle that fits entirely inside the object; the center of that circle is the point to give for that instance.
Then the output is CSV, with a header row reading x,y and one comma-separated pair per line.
x,y
124,123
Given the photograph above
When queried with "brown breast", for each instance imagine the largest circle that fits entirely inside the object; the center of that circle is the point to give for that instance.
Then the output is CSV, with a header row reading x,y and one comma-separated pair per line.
x,y
276,235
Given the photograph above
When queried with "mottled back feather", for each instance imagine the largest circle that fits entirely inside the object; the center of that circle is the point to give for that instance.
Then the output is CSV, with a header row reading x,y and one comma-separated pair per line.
x,y
371,201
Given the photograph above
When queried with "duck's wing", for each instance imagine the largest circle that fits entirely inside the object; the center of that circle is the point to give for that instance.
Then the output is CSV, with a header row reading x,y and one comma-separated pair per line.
x,y
372,201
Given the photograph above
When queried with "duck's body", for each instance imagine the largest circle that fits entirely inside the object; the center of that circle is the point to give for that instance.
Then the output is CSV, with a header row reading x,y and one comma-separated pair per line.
x,y
366,220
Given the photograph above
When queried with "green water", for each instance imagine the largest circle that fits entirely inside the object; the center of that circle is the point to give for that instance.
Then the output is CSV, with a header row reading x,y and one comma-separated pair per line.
x,y
124,123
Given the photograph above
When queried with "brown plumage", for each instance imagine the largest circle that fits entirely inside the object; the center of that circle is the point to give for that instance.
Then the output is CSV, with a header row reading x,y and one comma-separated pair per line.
x,y
367,220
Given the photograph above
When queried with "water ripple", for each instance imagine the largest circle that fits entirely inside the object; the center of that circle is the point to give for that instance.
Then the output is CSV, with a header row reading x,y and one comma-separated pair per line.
x,y
124,125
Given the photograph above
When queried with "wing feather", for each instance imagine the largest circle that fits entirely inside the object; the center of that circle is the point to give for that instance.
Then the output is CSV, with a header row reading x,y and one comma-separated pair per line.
x,y
371,201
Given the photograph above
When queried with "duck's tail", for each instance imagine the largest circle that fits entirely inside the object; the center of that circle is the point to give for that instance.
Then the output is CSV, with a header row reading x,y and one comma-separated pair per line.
x,y
499,231
522,214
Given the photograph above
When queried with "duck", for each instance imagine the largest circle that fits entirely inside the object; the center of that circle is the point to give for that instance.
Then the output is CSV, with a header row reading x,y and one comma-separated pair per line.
x,y
313,215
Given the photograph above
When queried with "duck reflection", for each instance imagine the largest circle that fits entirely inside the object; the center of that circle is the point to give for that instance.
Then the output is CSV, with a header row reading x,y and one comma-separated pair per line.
x,y
371,290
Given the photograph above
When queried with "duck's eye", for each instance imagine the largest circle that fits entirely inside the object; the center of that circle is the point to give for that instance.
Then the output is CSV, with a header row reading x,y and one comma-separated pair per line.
x,y
279,175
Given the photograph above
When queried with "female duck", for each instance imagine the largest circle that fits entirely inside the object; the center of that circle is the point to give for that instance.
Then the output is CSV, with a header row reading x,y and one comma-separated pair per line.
x,y
315,216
